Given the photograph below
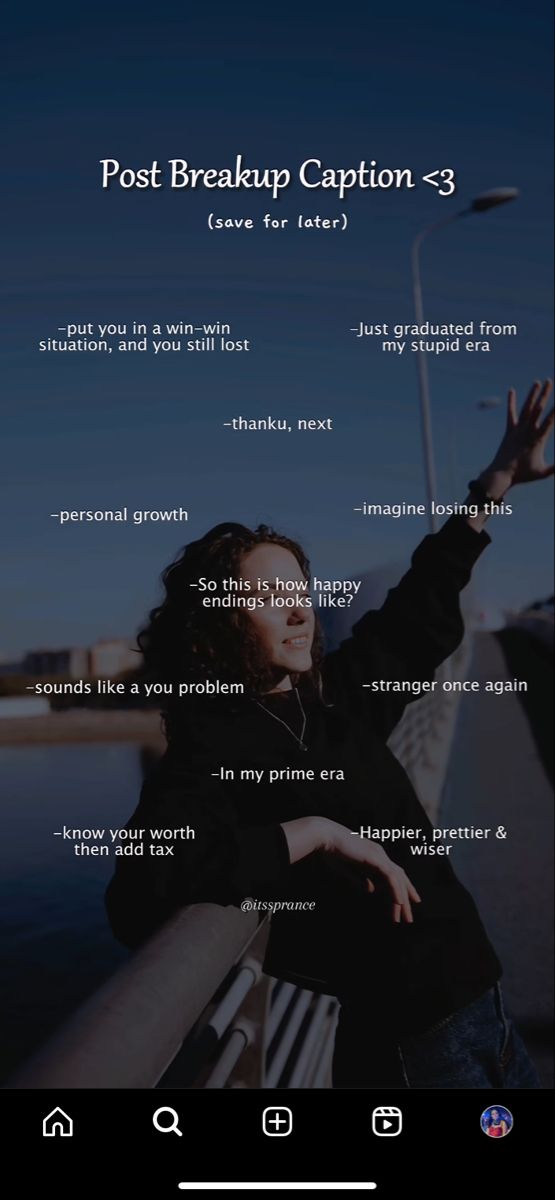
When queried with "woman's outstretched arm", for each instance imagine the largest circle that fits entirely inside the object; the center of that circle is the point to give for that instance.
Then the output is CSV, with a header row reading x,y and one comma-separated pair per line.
x,y
420,623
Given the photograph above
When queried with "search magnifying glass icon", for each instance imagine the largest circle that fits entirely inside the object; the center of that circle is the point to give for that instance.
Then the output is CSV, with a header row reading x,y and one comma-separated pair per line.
x,y
173,1127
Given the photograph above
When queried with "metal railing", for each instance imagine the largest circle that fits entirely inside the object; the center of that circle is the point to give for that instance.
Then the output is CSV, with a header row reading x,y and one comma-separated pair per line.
x,y
156,1022
130,1031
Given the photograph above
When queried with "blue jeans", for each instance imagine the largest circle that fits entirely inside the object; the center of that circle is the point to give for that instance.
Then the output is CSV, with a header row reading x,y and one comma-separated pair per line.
x,y
476,1047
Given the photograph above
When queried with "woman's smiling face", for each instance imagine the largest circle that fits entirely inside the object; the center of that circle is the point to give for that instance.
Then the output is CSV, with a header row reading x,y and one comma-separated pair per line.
x,y
286,633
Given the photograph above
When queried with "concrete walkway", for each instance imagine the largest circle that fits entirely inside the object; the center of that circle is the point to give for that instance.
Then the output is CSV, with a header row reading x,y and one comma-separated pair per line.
x,y
496,778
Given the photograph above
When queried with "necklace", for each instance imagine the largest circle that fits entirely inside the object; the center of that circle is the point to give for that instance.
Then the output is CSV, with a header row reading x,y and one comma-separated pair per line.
x,y
299,740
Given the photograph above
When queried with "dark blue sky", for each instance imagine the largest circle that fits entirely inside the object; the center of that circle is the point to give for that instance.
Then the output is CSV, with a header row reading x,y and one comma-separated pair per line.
x,y
465,85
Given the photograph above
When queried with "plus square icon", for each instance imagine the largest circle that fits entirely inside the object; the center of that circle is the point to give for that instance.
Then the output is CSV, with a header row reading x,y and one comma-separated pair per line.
x,y
277,1122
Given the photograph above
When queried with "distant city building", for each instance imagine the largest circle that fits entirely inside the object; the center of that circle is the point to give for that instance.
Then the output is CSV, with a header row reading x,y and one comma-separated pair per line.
x,y
112,656
73,662
105,659
24,706
11,668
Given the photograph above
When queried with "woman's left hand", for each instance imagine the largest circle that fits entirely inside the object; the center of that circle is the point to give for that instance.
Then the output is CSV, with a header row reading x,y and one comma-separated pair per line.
x,y
521,455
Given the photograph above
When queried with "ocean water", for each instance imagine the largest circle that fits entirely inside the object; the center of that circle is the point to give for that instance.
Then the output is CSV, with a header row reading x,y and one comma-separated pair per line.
x,y
56,944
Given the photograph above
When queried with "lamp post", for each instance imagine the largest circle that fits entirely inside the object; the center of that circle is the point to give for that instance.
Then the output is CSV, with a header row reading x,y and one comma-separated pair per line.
x,y
480,204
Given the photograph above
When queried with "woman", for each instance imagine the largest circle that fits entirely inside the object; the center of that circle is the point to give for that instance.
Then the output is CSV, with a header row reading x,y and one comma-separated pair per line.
x,y
496,1126
395,936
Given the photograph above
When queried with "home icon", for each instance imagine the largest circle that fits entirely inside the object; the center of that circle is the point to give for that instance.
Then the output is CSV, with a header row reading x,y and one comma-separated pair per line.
x,y
57,1124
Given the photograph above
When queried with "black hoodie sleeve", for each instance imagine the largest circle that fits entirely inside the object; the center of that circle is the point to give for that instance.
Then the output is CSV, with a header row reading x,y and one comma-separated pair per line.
x,y
418,626
213,859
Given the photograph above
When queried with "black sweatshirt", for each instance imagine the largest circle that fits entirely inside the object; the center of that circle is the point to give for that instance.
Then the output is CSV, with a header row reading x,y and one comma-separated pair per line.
x,y
411,975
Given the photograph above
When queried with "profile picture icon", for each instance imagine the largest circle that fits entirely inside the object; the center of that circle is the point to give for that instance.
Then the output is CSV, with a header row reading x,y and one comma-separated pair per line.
x,y
496,1122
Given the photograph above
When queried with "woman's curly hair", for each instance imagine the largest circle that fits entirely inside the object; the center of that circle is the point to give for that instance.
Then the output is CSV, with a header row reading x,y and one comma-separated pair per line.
x,y
185,640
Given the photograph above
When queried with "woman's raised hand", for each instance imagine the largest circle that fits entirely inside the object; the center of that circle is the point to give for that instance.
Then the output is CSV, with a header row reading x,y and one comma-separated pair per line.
x,y
521,454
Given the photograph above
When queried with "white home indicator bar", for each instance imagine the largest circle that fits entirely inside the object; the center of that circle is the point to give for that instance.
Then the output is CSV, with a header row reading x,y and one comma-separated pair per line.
x,y
277,1187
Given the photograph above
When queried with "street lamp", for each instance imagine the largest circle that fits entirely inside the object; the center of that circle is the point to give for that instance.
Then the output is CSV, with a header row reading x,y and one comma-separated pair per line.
x,y
480,204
